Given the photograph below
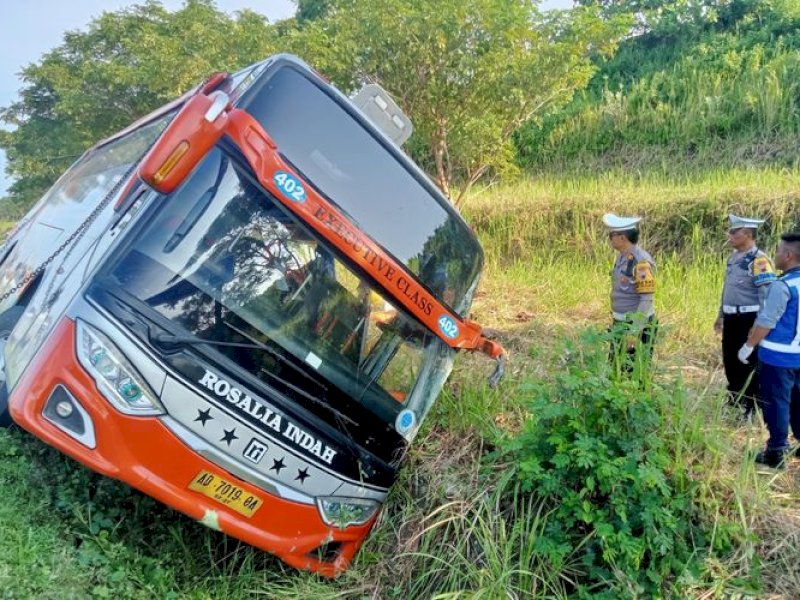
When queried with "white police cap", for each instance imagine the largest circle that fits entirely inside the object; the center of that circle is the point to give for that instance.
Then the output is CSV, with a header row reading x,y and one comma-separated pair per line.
x,y
739,222
615,223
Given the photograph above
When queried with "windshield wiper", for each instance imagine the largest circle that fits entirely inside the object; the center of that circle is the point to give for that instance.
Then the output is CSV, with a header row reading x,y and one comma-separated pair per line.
x,y
178,340
341,418
168,339
339,414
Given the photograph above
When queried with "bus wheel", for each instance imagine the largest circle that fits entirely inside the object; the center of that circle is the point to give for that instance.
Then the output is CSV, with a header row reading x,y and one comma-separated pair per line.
x,y
7,322
5,416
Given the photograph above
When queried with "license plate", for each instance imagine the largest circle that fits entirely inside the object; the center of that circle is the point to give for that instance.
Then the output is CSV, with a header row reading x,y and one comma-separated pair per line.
x,y
225,492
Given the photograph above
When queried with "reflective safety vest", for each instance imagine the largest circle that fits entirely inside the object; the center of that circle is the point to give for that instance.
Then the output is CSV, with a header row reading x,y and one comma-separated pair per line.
x,y
781,347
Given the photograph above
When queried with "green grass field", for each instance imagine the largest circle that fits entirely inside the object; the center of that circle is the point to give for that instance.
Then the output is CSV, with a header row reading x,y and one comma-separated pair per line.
x,y
458,525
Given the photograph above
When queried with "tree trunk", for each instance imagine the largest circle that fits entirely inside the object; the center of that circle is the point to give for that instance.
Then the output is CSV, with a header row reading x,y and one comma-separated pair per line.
x,y
473,177
439,153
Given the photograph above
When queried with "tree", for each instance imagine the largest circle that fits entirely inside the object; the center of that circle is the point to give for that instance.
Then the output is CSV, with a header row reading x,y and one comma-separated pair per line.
x,y
468,72
311,10
123,66
668,18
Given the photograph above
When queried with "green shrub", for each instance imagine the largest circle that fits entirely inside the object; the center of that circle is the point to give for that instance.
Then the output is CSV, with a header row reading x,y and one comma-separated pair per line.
x,y
599,449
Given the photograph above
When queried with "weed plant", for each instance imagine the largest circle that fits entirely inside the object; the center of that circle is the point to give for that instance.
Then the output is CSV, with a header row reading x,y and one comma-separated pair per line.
x,y
593,450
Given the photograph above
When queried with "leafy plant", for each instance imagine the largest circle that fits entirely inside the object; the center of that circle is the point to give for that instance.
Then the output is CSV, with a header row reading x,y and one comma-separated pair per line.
x,y
594,448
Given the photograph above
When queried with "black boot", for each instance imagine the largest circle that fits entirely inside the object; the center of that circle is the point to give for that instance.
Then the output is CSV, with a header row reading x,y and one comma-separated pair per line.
x,y
773,457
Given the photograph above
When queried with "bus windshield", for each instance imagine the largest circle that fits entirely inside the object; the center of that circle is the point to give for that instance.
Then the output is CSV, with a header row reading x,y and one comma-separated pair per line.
x,y
223,262
369,182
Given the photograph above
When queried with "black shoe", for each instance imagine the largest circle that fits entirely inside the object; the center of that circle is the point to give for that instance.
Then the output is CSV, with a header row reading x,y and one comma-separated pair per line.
x,y
775,459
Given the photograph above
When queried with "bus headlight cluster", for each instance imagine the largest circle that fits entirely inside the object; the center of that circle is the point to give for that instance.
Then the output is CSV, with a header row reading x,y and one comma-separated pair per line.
x,y
115,377
344,512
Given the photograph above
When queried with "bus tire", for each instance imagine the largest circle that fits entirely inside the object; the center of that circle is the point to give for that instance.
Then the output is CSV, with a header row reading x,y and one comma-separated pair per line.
x,y
7,322
5,416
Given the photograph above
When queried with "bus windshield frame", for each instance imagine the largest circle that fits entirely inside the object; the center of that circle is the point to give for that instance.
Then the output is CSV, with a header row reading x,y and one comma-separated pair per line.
x,y
207,255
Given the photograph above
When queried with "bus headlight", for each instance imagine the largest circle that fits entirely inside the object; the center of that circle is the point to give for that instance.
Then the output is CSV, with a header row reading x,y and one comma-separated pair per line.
x,y
344,512
115,377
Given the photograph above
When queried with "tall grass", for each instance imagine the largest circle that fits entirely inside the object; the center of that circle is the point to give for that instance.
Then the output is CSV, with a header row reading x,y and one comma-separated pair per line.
x,y
549,260
487,538
684,213
755,90
719,91
486,547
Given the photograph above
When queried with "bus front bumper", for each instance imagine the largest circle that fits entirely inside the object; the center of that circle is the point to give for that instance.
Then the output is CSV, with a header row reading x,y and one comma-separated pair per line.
x,y
145,454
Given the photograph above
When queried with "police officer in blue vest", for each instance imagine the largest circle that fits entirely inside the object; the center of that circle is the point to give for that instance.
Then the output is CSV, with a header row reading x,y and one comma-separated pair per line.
x,y
777,334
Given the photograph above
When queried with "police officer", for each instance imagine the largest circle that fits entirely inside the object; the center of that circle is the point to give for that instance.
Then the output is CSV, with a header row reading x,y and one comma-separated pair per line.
x,y
748,272
633,285
777,333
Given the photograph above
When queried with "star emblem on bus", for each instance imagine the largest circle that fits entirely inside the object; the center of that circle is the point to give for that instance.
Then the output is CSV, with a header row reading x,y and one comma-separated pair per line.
x,y
203,416
230,435
277,465
302,475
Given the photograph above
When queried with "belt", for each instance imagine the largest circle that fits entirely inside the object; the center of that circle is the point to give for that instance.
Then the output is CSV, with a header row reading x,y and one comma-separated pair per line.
x,y
738,310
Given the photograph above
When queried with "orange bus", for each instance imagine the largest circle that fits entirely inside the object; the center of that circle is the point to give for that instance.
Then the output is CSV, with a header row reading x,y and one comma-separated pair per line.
x,y
244,305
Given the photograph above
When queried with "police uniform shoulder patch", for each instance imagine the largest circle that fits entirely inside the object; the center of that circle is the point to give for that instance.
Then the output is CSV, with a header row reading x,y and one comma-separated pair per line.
x,y
645,279
762,271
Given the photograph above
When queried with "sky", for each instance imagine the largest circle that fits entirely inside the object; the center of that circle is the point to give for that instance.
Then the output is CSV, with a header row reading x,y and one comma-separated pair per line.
x,y
29,28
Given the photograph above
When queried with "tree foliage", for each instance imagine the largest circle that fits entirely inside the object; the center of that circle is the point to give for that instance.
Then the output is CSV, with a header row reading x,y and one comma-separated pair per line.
x,y
667,17
121,67
311,10
468,72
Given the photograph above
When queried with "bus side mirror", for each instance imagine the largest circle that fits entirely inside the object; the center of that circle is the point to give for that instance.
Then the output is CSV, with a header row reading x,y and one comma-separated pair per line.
x,y
199,125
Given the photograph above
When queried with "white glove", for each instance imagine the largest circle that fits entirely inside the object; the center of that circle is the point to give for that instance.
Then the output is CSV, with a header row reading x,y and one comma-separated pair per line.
x,y
744,353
